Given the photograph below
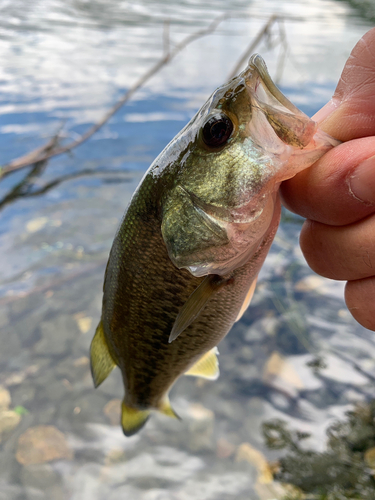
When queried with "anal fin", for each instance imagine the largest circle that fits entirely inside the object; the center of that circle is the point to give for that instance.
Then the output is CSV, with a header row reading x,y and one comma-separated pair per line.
x,y
167,409
207,366
132,419
100,359
247,300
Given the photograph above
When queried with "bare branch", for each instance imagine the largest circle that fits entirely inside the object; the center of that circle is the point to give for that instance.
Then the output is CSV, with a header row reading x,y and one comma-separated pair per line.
x,y
248,52
166,38
42,154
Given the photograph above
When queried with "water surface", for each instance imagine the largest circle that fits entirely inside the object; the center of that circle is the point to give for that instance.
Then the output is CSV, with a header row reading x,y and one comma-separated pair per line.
x,y
296,355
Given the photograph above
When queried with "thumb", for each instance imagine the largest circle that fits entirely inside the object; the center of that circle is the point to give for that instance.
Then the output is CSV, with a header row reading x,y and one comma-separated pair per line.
x,y
339,189
351,111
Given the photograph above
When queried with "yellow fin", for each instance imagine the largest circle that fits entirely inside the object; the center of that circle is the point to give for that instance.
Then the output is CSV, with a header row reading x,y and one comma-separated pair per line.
x,y
132,420
247,300
207,366
101,361
167,409
195,303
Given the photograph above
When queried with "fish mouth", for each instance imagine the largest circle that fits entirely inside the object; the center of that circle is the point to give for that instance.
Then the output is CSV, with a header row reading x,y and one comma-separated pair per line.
x,y
289,123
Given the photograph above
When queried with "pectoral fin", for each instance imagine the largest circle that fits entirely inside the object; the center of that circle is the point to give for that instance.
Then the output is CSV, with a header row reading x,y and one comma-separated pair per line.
x,y
101,361
207,366
195,303
247,300
132,420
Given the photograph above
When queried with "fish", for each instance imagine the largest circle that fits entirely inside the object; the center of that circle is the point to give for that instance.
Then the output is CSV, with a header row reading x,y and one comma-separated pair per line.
x,y
185,259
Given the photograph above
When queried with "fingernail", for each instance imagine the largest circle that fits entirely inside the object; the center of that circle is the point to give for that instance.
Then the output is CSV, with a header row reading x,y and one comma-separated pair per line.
x,y
362,182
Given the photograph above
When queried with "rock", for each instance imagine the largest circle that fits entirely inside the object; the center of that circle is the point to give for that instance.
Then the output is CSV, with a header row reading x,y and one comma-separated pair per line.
x,y
41,444
370,457
8,421
113,411
4,398
281,375
249,454
275,491
84,322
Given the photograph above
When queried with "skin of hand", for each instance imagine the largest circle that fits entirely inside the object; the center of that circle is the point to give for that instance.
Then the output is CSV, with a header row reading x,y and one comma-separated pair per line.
x,y
337,194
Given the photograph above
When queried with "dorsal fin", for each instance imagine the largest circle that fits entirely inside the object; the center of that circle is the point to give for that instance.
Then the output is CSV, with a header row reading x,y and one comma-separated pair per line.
x,y
207,366
247,300
195,303
101,361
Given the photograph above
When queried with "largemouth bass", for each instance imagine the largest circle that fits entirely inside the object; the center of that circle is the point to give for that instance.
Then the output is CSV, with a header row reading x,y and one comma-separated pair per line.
x,y
185,260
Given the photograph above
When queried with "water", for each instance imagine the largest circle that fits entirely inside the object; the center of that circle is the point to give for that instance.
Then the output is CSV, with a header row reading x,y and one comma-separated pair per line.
x,y
291,357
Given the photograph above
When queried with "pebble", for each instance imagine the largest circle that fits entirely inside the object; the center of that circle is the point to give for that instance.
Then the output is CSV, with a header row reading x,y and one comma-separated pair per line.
x,y
281,375
4,398
249,454
41,444
112,410
9,420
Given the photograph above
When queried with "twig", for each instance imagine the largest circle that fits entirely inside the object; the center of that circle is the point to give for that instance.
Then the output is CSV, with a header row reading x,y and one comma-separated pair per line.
x,y
23,189
283,51
253,44
42,154
166,38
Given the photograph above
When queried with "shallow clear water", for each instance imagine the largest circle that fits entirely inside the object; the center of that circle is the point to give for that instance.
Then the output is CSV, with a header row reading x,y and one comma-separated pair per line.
x,y
68,61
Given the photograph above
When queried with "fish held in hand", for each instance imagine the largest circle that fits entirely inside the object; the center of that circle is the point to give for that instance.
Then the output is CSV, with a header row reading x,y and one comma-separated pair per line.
x,y
185,260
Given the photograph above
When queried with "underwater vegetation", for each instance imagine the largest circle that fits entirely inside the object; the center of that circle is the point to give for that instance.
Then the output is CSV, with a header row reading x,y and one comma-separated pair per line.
x,y
345,470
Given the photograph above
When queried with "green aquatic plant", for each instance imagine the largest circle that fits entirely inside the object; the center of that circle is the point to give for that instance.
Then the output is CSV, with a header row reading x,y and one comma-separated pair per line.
x,y
345,470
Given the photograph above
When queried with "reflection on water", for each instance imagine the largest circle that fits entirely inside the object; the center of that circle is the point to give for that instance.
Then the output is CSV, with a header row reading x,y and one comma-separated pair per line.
x,y
296,355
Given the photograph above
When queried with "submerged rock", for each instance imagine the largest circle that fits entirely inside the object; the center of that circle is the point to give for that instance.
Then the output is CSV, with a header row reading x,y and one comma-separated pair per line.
x,y
4,398
42,444
9,420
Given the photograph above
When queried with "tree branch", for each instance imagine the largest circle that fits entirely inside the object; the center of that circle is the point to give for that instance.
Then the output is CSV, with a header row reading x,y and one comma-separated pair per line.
x,y
49,150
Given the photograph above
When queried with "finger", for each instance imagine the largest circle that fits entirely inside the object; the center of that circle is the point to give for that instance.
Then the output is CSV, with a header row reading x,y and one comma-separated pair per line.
x,y
341,253
359,296
339,189
351,112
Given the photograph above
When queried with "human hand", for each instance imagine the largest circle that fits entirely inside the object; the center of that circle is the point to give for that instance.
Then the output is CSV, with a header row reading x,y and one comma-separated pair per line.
x,y
337,194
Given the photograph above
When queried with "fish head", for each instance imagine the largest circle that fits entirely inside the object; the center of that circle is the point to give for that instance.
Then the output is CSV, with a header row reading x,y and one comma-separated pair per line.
x,y
229,162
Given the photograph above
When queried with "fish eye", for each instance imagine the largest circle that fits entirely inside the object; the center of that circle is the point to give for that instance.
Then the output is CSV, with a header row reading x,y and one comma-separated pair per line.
x,y
217,130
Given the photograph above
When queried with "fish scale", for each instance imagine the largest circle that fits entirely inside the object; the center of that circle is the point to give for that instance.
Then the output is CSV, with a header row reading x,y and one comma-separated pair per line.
x,y
186,257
